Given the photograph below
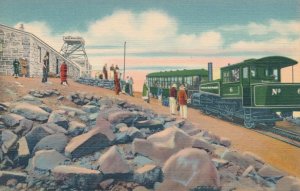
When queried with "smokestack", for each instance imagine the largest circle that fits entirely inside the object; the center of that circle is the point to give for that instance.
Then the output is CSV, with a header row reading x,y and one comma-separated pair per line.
x,y
210,71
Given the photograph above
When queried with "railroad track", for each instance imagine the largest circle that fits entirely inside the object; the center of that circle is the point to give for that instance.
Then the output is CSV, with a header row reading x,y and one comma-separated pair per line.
x,y
280,134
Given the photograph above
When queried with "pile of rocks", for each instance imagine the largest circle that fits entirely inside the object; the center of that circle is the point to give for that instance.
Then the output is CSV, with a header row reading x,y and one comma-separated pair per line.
x,y
110,144
108,84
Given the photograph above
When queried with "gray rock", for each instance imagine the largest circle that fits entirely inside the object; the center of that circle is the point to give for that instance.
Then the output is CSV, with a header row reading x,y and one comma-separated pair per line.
x,y
219,162
31,100
7,175
2,125
73,109
24,127
77,177
140,161
149,124
225,141
202,144
90,108
148,175
30,111
269,172
23,151
11,119
87,143
93,116
46,160
57,142
133,133
8,139
59,119
122,117
76,128
106,183
60,98
122,138
113,156
192,168
288,183
39,132
46,108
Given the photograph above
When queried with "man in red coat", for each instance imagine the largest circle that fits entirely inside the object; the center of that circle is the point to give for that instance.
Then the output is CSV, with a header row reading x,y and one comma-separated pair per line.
x,y
117,83
182,100
63,73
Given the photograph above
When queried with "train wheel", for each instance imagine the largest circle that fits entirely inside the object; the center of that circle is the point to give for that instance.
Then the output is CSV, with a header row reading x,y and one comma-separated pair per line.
x,y
249,124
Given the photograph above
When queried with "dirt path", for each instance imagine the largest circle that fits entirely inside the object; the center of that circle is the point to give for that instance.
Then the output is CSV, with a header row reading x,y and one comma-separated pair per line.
x,y
279,154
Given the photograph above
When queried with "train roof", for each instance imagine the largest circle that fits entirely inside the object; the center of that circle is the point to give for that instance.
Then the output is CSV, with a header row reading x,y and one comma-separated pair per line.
x,y
182,73
279,61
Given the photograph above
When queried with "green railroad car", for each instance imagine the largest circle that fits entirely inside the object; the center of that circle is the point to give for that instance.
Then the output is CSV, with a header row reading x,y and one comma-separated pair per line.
x,y
190,78
252,91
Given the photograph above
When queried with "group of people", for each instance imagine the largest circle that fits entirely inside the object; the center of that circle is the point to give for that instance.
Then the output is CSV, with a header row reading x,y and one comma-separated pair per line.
x,y
16,65
109,75
178,99
22,62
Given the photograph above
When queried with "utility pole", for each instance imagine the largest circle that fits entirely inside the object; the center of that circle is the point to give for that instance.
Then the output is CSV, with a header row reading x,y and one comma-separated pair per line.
x,y
124,61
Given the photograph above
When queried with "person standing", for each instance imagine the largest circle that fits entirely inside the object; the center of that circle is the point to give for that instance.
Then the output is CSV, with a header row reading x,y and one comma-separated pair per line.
x,y
117,70
159,92
24,67
112,72
182,100
105,71
131,86
45,67
127,85
63,73
145,94
172,99
116,83
16,65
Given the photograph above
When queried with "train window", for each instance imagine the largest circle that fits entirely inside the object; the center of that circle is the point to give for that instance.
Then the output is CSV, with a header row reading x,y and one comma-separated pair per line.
x,y
253,72
235,75
226,76
196,80
245,72
271,73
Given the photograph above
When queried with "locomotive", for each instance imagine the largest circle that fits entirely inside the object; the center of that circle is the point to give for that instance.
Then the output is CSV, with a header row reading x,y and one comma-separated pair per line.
x,y
251,91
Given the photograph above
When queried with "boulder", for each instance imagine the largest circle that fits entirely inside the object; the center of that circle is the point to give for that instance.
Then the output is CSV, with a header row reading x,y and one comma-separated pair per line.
x,y
113,156
24,127
106,183
151,124
269,172
59,119
76,128
171,185
41,131
225,141
31,100
160,146
11,119
46,160
202,144
87,143
148,175
288,183
90,108
73,109
254,160
105,127
45,108
219,162
8,139
133,133
77,177
122,117
23,151
192,168
30,111
141,161
57,142
8,175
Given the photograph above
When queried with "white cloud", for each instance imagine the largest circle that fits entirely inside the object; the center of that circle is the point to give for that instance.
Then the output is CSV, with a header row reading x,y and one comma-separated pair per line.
x,y
284,28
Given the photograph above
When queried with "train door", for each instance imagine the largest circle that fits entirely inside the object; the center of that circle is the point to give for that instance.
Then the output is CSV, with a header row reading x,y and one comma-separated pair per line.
x,y
246,86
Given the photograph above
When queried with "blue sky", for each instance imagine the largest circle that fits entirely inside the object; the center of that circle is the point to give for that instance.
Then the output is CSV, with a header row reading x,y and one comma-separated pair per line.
x,y
164,28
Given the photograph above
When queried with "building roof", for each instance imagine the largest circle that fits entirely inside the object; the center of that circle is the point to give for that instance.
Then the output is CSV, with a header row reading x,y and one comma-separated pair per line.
x,y
278,61
180,73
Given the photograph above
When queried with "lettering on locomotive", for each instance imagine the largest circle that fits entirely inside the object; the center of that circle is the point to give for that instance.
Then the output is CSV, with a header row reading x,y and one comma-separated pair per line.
x,y
276,91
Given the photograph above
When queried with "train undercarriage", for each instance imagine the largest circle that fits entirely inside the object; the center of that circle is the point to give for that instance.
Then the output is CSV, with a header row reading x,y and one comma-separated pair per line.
x,y
233,110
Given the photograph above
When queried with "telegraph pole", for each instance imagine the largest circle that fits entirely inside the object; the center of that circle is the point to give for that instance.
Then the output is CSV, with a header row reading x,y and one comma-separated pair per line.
x,y
293,73
124,60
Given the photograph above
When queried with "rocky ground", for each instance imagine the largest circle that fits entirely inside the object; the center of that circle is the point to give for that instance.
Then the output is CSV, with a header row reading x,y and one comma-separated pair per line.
x,y
62,140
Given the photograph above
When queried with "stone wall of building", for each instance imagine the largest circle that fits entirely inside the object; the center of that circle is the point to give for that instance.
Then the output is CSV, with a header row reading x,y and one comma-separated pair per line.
x,y
16,44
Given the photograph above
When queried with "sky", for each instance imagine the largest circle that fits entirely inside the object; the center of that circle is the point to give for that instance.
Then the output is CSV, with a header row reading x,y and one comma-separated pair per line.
x,y
165,34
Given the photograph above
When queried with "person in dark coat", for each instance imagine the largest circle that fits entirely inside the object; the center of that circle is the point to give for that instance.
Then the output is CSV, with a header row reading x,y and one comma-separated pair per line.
x,y
172,99
45,67
63,73
16,65
117,83
105,71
